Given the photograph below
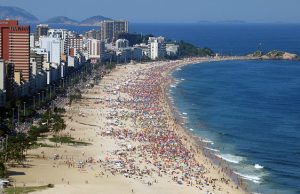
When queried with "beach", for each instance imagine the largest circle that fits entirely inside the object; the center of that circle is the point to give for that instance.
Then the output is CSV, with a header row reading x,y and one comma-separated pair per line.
x,y
136,143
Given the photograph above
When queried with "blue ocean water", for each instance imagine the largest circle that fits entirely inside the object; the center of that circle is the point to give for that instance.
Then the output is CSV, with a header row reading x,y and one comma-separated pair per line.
x,y
227,39
250,110
230,39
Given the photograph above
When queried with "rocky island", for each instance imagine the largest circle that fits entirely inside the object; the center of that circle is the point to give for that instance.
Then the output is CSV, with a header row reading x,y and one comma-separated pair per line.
x,y
275,55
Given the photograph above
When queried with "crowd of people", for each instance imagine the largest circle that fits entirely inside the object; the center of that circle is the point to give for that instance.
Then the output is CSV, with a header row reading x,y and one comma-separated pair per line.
x,y
160,147
135,112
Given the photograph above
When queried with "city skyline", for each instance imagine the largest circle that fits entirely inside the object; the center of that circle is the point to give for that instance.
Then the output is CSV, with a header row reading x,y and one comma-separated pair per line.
x,y
255,11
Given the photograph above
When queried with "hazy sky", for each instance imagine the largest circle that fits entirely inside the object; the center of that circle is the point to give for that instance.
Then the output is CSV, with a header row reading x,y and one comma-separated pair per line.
x,y
165,10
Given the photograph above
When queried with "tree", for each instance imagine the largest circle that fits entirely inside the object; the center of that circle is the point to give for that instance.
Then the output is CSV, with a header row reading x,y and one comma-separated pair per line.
x,y
58,126
2,169
16,148
189,50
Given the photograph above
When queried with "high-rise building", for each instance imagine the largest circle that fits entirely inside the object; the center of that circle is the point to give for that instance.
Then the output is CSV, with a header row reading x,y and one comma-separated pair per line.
x,y
7,80
157,47
102,51
32,41
76,42
45,54
53,47
110,29
38,60
41,30
93,34
15,46
63,35
94,50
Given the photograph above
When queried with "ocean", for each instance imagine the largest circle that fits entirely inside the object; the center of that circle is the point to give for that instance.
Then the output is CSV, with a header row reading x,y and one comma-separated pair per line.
x,y
226,39
249,111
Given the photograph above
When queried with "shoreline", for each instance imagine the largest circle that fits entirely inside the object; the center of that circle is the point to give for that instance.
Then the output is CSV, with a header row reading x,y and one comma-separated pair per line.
x,y
198,141
123,113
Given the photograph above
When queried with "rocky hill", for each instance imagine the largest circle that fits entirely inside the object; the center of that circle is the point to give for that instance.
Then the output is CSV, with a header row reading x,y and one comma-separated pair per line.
x,y
62,20
93,21
15,13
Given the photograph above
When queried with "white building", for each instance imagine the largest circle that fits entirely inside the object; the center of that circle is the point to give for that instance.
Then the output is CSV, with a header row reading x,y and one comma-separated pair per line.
x,y
122,43
2,75
73,61
93,47
157,47
53,47
63,35
2,83
33,66
144,48
172,49
32,42
63,70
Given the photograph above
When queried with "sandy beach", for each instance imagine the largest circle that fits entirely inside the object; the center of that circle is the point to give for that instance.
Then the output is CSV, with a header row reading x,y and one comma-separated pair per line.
x,y
136,142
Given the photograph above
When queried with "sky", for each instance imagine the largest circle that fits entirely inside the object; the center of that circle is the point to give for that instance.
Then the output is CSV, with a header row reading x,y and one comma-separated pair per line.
x,y
163,11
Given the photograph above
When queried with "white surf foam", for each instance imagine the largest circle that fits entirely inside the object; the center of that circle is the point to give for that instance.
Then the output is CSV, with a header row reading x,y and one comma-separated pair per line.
x,y
173,86
231,158
257,166
252,178
182,79
184,113
211,149
208,141
191,129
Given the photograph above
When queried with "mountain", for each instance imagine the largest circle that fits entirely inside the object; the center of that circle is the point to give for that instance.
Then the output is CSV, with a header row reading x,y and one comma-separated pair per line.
x,y
15,13
93,21
62,20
